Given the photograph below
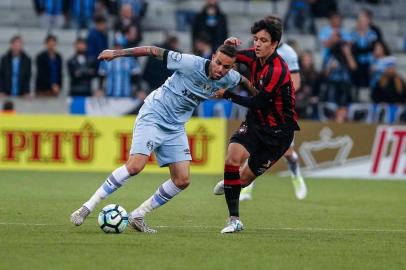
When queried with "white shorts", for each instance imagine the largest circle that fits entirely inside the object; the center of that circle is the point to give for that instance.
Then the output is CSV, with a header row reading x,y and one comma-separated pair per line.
x,y
168,146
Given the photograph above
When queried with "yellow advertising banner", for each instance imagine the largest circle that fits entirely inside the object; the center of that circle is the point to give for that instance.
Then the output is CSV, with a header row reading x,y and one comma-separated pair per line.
x,y
80,143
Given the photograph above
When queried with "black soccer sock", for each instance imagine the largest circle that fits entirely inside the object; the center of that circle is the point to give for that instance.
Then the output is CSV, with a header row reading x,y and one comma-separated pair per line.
x,y
232,188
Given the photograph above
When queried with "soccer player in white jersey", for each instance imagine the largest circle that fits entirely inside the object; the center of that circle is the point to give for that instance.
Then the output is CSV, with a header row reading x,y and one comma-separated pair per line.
x,y
159,127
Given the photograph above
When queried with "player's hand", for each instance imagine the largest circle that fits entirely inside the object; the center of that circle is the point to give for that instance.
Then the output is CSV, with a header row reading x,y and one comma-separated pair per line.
x,y
219,93
233,41
106,55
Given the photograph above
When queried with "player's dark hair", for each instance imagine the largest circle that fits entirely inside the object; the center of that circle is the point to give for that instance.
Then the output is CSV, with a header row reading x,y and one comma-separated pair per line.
x,y
50,37
273,18
228,50
15,38
273,27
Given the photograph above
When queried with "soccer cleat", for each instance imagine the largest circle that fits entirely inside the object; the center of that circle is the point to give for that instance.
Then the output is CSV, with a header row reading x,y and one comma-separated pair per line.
x,y
299,186
219,188
233,225
246,194
138,223
79,216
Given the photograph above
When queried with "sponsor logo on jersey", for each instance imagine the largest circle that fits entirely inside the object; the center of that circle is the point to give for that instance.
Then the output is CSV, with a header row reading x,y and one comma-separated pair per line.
x,y
150,145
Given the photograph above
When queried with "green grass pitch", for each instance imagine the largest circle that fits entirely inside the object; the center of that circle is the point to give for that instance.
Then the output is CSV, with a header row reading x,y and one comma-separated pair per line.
x,y
341,225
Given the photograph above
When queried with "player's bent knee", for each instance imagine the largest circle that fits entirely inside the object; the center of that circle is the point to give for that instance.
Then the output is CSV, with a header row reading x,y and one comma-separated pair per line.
x,y
134,168
232,161
182,182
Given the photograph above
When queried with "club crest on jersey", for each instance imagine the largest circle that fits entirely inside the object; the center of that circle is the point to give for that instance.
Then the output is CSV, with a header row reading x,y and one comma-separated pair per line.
x,y
176,56
261,81
206,87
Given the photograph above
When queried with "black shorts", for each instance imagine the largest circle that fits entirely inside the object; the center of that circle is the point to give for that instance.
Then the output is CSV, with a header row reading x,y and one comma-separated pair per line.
x,y
265,148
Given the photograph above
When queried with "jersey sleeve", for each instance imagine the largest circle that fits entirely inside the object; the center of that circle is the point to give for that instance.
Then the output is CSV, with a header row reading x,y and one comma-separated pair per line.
x,y
179,61
234,78
246,56
292,61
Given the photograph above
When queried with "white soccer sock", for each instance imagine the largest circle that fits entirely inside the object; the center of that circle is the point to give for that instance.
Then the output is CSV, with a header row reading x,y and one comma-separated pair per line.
x,y
163,194
118,178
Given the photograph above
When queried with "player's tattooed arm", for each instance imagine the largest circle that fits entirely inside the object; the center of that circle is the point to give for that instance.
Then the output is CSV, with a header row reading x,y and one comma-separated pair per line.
x,y
245,83
133,52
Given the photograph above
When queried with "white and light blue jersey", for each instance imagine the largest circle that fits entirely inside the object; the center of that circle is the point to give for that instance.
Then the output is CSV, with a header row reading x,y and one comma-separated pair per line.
x,y
172,104
289,55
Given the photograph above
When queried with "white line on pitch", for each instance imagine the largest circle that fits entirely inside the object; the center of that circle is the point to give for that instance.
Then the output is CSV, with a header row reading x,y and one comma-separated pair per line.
x,y
253,228
28,224
294,229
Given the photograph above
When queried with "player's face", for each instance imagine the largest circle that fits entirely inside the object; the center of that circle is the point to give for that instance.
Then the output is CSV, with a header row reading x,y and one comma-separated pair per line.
x,y
220,64
263,44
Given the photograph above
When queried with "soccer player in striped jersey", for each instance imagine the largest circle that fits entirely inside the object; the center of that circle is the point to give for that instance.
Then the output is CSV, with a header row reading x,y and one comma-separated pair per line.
x,y
289,55
268,130
160,124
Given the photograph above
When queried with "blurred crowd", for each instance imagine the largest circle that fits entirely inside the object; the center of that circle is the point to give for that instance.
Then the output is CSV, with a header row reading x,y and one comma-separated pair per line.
x,y
352,59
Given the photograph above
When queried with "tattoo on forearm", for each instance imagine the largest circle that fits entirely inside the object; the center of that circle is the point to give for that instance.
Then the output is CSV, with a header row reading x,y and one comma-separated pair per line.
x,y
140,51
247,84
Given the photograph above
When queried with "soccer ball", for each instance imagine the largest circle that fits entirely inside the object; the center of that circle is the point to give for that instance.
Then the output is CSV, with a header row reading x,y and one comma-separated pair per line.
x,y
113,219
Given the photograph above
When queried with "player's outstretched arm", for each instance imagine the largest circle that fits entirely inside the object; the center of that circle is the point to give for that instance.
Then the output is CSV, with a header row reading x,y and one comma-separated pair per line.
x,y
260,101
245,83
133,52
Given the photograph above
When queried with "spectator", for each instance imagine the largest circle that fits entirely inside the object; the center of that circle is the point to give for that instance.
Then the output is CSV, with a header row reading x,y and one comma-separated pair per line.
x,y
8,107
82,12
119,76
386,84
363,39
49,69
203,46
129,25
322,8
299,17
307,96
15,70
139,7
331,35
338,79
97,39
155,73
211,21
82,70
52,13
370,16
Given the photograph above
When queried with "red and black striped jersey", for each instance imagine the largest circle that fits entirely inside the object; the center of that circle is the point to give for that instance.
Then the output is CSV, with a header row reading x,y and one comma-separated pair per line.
x,y
274,82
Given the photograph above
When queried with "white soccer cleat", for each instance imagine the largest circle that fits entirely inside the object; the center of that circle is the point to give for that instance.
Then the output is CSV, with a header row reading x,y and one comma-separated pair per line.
x,y
246,193
299,186
233,225
79,216
246,196
138,223
219,188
